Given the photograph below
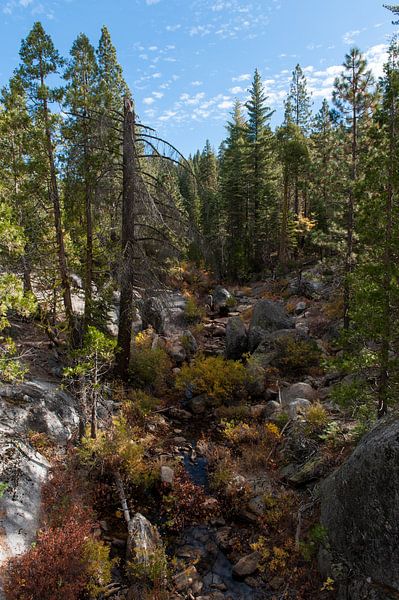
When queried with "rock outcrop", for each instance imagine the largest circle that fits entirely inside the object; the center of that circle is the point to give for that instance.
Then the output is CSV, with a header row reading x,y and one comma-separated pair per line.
x,y
359,509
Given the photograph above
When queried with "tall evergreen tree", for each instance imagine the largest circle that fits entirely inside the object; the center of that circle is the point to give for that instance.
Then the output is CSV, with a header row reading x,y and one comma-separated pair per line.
x,y
353,97
235,194
40,60
261,169
81,161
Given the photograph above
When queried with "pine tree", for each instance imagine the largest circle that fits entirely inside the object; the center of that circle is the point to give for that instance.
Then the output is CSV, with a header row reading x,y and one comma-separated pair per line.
x,y
298,103
298,112
261,167
40,60
81,160
235,194
376,289
353,98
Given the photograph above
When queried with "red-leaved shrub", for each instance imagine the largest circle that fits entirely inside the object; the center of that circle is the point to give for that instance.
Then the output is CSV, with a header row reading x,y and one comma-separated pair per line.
x,y
54,568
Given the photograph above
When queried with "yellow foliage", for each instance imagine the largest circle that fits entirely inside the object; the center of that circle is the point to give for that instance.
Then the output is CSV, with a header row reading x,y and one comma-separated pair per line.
x,y
316,418
215,376
98,566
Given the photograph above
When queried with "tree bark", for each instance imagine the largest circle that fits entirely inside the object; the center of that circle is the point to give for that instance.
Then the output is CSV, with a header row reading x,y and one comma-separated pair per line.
x,y
128,239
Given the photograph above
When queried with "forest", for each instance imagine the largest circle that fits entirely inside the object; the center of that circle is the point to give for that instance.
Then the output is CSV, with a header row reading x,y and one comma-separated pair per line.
x,y
198,355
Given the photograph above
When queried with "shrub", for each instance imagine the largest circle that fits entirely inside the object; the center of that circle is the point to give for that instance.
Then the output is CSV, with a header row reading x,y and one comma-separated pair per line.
x,y
138,405
192,312
153,570
297,355
52,569
240,433
187,503
150,368
215,376
121,447
98,566
316,418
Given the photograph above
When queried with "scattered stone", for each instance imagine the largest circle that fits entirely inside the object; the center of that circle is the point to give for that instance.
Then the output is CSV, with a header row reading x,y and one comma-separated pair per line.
x,y
167,475
298,390
247,565
300,308
236,338
185,579
298,407
311,470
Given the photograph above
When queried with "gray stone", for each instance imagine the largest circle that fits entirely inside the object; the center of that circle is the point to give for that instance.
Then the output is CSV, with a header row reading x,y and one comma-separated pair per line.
x,y
153,313
359,508
236,338
167,475
220,296
143,540
199,404
298,407
300,307
247,565
267,316
298,390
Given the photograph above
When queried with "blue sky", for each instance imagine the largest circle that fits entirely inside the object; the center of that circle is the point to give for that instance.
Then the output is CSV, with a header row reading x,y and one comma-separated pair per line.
x,y
187,60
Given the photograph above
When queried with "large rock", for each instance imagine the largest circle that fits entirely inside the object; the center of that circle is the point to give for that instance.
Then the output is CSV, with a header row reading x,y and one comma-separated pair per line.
x,y
269,346
359,509
236,338
24,471
143,540
154,313
221,297
298,390
267,316
40,407
247,565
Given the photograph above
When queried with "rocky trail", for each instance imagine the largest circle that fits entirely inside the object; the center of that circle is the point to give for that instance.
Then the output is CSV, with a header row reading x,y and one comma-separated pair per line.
x,y
268,486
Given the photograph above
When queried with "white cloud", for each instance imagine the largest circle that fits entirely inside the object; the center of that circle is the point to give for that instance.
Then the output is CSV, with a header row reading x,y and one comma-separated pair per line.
x,y
350,36
196,83
158,95
156,75
243,77
25,3
149,100
173,27
226,104
153,48
236,90
376,58
149,2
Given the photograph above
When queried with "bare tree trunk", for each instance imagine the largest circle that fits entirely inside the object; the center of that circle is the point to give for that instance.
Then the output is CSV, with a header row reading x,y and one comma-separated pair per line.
x,y
387,262
351,211
128,206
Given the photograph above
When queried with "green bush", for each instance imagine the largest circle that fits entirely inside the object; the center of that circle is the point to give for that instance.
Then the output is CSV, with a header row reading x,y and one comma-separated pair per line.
x,y
150,368
220,379
297,355
192,312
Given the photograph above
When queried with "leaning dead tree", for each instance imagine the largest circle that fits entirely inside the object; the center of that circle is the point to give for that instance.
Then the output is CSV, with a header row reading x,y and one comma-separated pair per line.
x,y
154,225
